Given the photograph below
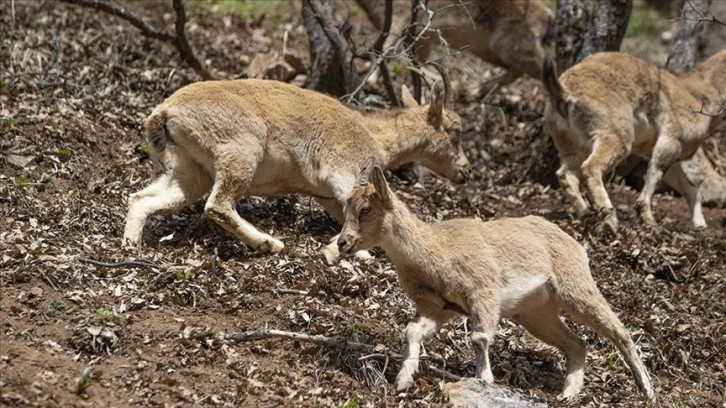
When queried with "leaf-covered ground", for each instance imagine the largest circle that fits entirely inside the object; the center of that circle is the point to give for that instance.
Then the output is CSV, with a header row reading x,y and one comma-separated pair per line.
x,y
76,87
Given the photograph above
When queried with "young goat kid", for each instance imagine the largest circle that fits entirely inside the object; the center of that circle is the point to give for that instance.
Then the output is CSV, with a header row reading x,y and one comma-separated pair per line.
x,y
525,269
611,105
265,138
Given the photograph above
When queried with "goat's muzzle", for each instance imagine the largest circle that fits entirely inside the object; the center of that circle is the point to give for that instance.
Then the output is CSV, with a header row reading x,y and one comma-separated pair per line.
x,y
463,175
346,244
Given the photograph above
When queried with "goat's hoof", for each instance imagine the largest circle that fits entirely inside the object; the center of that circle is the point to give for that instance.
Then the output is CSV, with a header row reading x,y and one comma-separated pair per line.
x,y
271,246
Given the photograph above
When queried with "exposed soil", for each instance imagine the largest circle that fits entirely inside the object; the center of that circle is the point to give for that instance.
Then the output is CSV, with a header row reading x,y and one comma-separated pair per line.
x,y
77,86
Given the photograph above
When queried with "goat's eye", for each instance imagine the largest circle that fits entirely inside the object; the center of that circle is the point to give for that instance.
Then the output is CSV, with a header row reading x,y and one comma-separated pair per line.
x,y
365,210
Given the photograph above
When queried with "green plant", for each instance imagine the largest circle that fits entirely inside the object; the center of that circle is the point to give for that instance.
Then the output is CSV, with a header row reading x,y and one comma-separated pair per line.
x,y
84,381
143,148
611,358
356,333
103,315
181,275
397,67
64,155
46,178
646,21
351,402
21,182
3,82
55,308
8,122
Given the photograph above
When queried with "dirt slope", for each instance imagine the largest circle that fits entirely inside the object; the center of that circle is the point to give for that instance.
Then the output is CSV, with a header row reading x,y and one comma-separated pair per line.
x,y
77,85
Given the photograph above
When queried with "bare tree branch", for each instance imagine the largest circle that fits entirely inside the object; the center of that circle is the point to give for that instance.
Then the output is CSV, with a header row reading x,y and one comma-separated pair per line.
x,y
183,45
179,40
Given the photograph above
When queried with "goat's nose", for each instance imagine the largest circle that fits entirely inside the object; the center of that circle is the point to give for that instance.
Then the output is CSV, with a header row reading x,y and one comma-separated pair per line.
x,y
341,243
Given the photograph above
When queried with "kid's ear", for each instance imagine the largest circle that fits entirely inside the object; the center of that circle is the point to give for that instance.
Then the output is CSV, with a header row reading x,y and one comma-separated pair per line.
x,y
380,184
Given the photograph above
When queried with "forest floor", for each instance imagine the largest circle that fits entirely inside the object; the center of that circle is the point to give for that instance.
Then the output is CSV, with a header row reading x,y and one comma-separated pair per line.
x,y
76,86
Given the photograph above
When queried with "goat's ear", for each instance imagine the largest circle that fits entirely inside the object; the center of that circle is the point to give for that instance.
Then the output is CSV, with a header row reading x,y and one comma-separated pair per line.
x,y
436,108
363,175
379,182
408,100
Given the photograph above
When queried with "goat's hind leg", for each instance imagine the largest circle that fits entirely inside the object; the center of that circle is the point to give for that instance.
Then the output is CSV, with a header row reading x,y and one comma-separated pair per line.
x,y
569,176
609,149
592,310
185,183
544,323
232,179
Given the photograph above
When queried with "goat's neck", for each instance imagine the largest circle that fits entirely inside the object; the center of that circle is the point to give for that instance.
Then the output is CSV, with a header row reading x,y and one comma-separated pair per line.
x,y
402,137
406,240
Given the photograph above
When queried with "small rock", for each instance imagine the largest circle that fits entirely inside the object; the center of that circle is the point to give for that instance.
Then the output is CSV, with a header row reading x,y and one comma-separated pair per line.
x,y
20,161
473,393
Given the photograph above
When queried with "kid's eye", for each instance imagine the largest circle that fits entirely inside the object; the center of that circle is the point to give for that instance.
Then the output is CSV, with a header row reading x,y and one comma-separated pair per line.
x,y
365,210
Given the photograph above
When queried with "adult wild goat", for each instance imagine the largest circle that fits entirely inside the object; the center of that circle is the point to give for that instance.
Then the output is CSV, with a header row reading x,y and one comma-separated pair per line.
x,y
611,105
508,34
525,269
265,138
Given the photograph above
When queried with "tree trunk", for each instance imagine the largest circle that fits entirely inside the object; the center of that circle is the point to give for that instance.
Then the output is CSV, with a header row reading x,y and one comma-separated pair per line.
x,y
332,68
572,25
683,52
607,26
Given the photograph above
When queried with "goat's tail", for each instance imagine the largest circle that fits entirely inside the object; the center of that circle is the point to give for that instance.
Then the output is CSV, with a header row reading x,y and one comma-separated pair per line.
x,y
554,87
157,133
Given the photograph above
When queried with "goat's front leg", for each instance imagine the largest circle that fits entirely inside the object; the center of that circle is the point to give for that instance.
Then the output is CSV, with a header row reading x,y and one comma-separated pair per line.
x,y
484,321
665,154
676,177
419,329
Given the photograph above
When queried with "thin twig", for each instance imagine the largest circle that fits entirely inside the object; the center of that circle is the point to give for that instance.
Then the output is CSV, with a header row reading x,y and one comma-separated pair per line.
x,y
443,373
138,263
340,342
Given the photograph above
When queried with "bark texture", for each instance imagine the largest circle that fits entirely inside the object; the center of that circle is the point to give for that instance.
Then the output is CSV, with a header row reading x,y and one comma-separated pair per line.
x,y
332,70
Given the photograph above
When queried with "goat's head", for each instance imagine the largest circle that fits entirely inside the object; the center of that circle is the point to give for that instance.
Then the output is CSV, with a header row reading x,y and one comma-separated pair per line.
x,y
443,152
368,212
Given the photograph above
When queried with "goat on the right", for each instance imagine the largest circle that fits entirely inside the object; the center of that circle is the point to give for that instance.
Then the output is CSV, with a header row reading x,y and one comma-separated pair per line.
x,y
611,105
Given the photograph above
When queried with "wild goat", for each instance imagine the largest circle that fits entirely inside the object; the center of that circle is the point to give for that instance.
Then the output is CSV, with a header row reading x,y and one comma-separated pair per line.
x,y
508,34
611,105
265,138
525,269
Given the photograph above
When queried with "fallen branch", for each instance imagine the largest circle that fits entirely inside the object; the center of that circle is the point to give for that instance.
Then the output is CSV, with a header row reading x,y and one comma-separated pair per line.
x,y
137,263
339,342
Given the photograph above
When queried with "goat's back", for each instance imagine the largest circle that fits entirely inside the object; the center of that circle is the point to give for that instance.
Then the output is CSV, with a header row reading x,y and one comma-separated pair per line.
x,y
613,81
